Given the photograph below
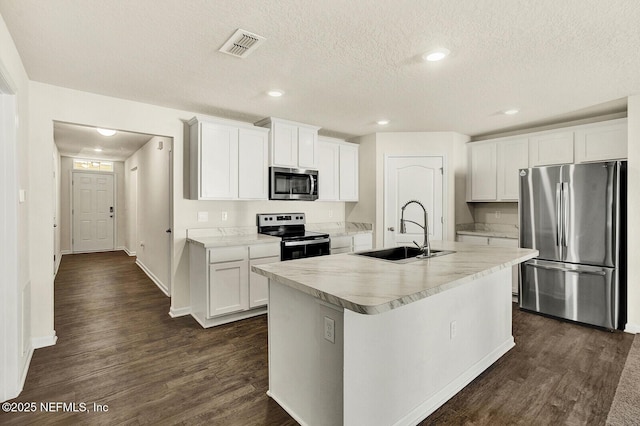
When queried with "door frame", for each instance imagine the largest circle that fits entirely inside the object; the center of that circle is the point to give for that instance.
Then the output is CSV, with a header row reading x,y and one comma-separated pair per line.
x,y
71,209
445,190
11,303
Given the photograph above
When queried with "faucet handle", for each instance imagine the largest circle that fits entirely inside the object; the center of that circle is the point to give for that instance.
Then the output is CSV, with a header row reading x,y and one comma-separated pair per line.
x,y
418,245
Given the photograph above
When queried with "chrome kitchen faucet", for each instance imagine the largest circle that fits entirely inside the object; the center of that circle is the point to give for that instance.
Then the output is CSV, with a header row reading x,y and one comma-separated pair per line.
x,y
426,246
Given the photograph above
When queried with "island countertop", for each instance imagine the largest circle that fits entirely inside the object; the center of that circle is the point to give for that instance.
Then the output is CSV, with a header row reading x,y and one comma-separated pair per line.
x,y
372,286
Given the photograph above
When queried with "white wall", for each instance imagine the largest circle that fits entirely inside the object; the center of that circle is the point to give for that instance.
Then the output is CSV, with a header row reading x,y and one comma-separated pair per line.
x,y
65,204
15,285
633,218
449,145
152,245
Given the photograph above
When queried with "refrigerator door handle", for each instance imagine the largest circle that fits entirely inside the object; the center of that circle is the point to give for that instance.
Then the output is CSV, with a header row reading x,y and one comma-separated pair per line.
x,y
565,211
562,269
559,218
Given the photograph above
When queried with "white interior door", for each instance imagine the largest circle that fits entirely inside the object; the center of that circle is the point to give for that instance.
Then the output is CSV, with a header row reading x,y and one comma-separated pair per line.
x,y
93,212
413,178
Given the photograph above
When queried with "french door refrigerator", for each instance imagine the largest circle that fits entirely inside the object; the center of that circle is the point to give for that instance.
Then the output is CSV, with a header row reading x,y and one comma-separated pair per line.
x,y
575,216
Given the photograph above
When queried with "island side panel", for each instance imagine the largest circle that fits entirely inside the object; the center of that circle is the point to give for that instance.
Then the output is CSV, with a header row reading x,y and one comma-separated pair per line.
x,y
305,370
401,365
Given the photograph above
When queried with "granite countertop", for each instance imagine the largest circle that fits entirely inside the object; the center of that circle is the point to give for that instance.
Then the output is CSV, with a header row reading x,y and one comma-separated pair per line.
x,y
232,240
372,286
488,230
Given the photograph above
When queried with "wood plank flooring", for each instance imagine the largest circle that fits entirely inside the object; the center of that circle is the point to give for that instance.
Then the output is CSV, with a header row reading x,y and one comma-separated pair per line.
x,y
118,346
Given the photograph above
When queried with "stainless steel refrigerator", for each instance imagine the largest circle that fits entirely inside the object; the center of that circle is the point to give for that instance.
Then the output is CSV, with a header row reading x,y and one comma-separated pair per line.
x,y
575,215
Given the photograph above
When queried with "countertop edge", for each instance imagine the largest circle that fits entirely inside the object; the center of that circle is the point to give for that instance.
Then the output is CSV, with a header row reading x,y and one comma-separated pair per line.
x,y
396,303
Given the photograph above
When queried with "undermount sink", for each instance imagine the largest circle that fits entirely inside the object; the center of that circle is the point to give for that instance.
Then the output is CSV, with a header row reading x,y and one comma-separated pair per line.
x,y
402,254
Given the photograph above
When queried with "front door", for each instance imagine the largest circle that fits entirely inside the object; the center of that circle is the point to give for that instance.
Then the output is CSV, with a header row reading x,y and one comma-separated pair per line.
x,y
413,178
93,212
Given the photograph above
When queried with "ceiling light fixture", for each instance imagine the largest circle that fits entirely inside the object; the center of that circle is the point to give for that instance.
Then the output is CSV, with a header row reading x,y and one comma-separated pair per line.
x,y
275,93
106,132
382,122
97,149
511,111
436,55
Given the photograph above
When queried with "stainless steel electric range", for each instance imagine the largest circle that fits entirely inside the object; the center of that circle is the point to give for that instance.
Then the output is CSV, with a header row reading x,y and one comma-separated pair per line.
x,y
296,242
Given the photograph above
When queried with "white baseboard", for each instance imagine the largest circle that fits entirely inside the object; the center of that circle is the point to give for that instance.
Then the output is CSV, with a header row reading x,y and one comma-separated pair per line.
x,y
632,328
153,278
180,312
63,252
57,266
44,341
129,252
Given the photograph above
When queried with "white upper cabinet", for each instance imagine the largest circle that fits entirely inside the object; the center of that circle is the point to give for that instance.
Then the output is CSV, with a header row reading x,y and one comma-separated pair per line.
x,y
601,141
551,148
337,170
291,144
349,172
494,167
253,157
513,155
483,163
228,160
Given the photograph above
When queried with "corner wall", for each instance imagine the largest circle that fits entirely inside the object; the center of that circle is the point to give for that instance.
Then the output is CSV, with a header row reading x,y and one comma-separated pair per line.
x,y
633,219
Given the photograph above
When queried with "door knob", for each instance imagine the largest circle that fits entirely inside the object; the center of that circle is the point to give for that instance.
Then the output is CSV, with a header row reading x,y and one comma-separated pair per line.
x,y
391,228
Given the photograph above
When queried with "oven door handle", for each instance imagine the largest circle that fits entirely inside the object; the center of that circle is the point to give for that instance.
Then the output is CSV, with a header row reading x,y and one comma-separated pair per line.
x,y
306,242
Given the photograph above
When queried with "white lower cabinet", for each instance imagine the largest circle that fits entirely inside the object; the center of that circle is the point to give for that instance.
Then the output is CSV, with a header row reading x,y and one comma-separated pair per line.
x,y
223,288
258,284
362,242
498,242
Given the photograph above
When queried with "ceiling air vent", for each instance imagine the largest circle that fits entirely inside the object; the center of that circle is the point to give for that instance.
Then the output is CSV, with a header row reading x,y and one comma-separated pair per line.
x,y
241,44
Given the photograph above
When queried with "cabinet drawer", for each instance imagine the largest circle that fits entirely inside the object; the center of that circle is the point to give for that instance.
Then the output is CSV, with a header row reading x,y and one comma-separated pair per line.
x,y
264,250
227,254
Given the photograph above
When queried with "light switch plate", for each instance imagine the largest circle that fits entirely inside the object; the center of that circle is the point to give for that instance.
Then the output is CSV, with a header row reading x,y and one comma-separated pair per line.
x,y
329,329
203,216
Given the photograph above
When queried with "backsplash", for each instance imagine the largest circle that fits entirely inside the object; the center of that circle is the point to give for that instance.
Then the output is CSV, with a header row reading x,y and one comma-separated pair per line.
x,y
496,213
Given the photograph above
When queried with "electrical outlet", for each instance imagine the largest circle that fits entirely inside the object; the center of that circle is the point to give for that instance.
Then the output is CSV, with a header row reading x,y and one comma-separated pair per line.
x,y
329,329
498,214
203,216
223,216
453,330
330,213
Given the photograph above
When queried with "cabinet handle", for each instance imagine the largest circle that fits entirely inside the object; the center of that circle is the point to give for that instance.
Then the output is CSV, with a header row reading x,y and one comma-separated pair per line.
x,y
391,228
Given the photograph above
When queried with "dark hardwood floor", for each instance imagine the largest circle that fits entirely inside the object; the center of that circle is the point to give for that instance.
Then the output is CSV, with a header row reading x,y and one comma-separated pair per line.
x,y
117,346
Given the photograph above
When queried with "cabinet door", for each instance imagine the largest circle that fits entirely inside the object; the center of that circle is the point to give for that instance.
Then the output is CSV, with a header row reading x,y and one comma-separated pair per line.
x,y
259,284
228,287
483,171
513,155
328,161
601,142
284,145
307,143
252,163
348,172
218,161
551,148
362,242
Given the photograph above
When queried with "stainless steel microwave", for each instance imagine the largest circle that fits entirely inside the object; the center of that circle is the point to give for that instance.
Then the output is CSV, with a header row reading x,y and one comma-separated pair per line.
x,y
293,184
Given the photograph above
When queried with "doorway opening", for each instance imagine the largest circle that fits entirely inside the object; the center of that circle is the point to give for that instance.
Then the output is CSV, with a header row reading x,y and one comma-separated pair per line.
x,y
114,194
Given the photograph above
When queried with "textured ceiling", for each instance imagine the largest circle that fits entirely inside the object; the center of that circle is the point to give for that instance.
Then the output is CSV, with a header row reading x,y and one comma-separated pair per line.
x,y
343,64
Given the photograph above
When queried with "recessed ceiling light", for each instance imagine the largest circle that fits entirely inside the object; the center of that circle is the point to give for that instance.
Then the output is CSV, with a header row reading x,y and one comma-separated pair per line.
x,y
511,111
106,132
275,93
97,149
382,122
436,54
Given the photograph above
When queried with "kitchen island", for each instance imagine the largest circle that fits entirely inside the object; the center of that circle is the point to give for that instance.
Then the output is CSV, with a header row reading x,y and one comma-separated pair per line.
x,y
355,340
